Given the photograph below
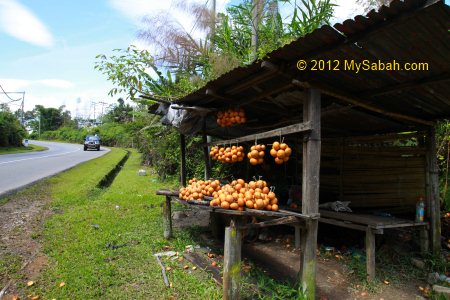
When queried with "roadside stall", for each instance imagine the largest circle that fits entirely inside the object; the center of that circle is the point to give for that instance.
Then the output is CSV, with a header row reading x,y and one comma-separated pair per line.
x,y
362,139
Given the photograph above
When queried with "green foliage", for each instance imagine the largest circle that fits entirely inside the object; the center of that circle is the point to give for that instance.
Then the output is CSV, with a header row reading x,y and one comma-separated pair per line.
x,y
11,132
443,157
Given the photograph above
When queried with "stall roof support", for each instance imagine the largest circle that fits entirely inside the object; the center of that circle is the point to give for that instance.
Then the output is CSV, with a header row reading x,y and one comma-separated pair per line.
x,y
310,192
183,159
433,192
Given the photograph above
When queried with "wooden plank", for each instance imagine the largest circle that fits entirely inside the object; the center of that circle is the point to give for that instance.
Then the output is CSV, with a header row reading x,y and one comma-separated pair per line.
x,y
183,160
204,264
343,224
295,128
206,156
370,220
424,241
275,222
165,192
433,192
370,254
310,192
232,262
167,218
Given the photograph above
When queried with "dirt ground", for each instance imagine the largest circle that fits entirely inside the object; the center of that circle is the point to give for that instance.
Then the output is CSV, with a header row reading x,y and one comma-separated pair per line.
x,y
21,223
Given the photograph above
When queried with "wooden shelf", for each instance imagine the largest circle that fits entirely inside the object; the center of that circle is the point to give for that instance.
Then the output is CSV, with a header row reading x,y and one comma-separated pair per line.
x,y
295,128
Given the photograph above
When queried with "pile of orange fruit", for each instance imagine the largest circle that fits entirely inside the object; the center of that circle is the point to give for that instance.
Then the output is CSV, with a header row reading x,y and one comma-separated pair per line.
x,y
231,117
239,195
256,154
198,189
227,155
281,152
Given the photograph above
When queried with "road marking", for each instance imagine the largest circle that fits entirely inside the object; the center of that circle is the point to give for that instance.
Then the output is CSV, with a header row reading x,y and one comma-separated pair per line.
x,y
59,154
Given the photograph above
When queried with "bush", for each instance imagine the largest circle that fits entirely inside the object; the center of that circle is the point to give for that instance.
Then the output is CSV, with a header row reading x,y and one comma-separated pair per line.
x,y
11,131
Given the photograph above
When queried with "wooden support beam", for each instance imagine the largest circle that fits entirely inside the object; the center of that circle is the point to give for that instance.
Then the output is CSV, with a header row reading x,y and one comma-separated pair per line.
x,y
213,94
357,102
183,160
206,156
310,192
167,218
424,241
370,254
232,261
433,192
295,128
275,222
407,85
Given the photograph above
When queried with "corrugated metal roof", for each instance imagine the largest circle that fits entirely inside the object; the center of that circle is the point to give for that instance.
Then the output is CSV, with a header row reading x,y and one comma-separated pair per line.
x,y
410,31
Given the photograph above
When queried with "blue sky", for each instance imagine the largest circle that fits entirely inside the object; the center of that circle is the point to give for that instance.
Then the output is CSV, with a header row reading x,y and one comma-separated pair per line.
x,y
48,47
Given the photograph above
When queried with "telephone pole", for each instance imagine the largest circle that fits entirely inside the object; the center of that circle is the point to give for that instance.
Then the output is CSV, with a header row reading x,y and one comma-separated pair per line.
x,y
257,8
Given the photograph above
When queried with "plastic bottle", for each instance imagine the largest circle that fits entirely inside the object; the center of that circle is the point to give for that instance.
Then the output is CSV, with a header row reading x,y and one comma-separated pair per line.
x,y
420,209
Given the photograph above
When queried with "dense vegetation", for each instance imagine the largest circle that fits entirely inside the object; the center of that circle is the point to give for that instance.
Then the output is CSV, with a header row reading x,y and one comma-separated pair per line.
x,y
11,131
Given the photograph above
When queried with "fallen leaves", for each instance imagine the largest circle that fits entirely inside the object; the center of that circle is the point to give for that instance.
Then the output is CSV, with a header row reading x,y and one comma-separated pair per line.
x,y
62,284
30,283
386,282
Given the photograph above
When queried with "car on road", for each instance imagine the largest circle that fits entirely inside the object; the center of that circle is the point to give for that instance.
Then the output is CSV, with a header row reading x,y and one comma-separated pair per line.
x,y
92,142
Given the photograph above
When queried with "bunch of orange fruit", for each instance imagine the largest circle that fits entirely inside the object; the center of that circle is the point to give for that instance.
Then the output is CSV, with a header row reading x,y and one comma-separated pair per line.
x,y
256,154
281,152
231,117
231,154
239,195
198,189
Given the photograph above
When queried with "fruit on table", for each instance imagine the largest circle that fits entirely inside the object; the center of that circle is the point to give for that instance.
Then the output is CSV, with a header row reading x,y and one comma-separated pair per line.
x,y
198,189
231,117
281,152
256,154
231,154
239,195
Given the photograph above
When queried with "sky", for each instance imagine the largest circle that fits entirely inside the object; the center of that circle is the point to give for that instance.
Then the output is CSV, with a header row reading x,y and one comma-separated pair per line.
x,y
48,47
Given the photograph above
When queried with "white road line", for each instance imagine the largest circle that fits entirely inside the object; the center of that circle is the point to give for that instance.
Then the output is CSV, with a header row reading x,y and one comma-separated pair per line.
x,y
59,154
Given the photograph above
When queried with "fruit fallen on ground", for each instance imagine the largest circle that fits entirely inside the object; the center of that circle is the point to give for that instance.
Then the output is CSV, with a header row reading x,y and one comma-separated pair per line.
x,y
230,155
239,195
281,152
256,154
231,117
198,189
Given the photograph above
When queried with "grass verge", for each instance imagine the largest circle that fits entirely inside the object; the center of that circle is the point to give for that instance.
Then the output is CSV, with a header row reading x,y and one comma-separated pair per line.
x,y
30,148
100,243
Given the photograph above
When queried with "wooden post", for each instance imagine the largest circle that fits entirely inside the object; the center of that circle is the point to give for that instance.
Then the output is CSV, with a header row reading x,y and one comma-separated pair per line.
x,y
424,240
297,236
167,218
206,152
370,254
310,192
433,192
183,160
232,262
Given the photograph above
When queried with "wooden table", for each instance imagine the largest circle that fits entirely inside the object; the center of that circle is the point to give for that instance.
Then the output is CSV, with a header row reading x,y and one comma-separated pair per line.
x,y
233,232
372,225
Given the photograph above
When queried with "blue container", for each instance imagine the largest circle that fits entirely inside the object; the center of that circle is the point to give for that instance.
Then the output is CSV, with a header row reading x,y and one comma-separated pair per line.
x,y
420,210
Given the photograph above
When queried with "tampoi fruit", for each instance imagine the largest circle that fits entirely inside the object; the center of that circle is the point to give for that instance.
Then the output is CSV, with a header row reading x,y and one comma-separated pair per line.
x,y
230,155
231,117
281,152
240,195
256,154
198,189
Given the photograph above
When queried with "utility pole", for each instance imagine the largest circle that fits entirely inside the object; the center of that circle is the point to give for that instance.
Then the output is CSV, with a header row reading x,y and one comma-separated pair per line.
x,y
257,8
213,19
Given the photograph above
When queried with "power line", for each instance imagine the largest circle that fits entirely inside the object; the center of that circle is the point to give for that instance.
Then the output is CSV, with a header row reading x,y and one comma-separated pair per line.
x,y
195,23
12,100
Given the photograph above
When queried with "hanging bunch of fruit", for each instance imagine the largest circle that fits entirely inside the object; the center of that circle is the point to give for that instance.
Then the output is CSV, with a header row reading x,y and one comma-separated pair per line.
x,y
239,195
281,152
227,155
231,117
198,189
256,154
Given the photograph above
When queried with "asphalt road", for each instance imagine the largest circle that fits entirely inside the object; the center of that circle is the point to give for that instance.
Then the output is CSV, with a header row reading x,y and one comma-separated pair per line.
x,y
21,169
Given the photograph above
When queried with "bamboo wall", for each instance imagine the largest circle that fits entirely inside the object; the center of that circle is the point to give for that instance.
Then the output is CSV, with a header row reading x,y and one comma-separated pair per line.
x,y
373,174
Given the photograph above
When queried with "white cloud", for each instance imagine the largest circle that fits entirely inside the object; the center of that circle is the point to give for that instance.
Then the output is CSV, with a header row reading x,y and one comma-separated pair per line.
x,y
12,84
20,22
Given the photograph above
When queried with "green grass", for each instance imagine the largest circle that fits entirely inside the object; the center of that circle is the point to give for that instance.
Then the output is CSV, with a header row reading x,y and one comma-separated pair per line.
x,y
88,221
30,148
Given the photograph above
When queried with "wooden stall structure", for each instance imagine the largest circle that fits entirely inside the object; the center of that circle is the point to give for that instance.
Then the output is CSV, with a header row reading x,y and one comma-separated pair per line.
x,y
349,125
